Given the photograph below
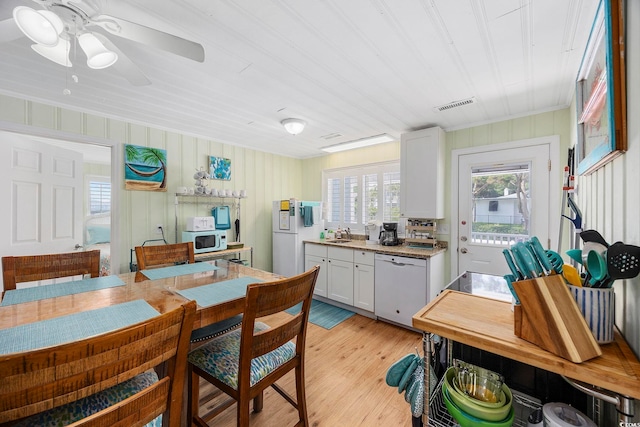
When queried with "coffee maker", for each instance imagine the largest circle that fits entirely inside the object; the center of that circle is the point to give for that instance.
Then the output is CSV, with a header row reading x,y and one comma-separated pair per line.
x,y
389,234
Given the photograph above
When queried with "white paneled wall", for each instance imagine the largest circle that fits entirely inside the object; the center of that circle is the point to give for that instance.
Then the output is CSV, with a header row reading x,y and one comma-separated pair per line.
x,y
264,176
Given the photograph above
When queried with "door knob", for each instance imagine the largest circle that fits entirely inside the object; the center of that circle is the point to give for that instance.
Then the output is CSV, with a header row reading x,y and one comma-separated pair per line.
x,y
463,250
463,238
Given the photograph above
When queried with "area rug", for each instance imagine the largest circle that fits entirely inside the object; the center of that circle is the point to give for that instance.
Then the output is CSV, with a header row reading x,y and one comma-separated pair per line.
x,y
324,315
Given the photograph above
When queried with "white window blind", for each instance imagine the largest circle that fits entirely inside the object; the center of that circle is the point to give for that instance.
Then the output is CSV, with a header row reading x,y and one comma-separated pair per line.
x,y
99,197
354,196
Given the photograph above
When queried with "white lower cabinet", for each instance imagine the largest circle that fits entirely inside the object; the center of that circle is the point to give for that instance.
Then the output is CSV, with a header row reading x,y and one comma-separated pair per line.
x,y
346,275
317,255
340,275
363,280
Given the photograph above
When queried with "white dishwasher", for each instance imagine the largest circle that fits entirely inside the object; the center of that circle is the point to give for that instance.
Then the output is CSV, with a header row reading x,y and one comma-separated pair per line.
x,y
401,287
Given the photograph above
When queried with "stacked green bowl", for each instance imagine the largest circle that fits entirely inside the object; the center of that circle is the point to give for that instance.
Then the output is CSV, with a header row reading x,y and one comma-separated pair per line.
x,y
470,411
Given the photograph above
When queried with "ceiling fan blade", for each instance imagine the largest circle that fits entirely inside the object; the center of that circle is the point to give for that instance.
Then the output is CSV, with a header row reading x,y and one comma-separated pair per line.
x,y
124,65
158,39
9,31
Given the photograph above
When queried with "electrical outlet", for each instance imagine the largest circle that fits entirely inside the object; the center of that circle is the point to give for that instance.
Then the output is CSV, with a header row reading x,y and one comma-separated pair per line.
x,y
159,229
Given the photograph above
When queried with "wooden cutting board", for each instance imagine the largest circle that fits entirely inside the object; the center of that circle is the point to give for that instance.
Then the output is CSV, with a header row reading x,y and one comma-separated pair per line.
x,y
549,317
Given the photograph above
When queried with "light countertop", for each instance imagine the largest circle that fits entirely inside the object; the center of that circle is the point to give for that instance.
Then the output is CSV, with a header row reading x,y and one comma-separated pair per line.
x,y
362,245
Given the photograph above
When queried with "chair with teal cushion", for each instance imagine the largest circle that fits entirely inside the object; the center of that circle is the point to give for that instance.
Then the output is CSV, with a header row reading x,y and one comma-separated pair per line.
x,y
182,253
105,380
243,363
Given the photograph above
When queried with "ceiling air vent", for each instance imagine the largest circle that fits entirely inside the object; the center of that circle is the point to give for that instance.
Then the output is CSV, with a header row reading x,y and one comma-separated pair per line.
x,y
455,104
331,136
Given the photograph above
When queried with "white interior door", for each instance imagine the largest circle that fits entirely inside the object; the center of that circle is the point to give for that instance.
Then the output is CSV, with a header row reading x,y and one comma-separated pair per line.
x,y
42,189
503,197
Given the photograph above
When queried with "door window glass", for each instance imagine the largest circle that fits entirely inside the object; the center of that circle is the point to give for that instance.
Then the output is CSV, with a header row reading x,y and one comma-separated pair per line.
x,y
501,204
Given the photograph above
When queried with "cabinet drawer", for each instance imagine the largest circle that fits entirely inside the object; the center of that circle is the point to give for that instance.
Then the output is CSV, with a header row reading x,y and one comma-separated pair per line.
x,y
342,254
364,257
317,250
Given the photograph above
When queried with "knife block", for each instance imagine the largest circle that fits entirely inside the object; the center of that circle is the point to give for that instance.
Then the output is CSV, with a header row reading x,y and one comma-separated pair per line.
x,y
549,317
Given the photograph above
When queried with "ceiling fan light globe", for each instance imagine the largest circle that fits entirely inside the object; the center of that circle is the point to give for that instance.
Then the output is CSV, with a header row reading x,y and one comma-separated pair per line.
x,y
98,56
102,60
58,53
38,26
293,126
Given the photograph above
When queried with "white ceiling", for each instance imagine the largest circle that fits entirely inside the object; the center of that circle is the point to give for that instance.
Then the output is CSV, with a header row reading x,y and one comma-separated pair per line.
x,y
352,68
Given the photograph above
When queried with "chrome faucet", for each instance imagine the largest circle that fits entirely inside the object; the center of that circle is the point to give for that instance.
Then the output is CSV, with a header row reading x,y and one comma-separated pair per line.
x,y
348,232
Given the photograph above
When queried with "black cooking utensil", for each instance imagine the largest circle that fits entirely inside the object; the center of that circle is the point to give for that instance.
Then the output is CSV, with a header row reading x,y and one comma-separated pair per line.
x,y
623,261
593,236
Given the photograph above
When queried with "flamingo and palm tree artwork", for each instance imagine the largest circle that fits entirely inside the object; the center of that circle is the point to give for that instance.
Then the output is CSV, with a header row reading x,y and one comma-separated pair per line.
x,y
145,168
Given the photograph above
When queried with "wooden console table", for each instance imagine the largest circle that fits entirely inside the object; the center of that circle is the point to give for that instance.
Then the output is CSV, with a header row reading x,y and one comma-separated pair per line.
x,y
487,324
221,254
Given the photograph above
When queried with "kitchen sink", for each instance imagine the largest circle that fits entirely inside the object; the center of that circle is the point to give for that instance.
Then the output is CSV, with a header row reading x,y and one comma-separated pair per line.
x,y
339,241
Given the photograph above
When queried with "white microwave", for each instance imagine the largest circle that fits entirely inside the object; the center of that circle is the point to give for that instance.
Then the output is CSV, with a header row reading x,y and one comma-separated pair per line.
x,y
206,241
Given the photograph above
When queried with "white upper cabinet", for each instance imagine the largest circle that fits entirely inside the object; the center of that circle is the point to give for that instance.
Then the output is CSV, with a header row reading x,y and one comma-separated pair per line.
x,y
422,159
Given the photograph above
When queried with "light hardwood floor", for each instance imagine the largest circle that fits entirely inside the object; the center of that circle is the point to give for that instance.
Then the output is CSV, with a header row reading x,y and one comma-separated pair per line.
x,y
345,378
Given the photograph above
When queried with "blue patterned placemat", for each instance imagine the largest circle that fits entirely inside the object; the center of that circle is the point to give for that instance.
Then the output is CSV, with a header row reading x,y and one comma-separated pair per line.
x,y
74,326
17,296
216,293
178,270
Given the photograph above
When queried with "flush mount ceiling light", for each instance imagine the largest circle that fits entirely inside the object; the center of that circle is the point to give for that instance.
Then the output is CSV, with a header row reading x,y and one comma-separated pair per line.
x,y
358,143
293,126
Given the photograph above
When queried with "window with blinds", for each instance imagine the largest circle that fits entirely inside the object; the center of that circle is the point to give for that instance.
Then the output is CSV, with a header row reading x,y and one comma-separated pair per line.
x,y
354,196
99,197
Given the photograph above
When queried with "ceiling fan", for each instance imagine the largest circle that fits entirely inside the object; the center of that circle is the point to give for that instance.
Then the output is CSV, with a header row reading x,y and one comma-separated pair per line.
x,y
63,23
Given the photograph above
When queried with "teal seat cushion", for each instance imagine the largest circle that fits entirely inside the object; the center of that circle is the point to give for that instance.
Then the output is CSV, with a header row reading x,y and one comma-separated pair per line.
x,y
74,411
220,358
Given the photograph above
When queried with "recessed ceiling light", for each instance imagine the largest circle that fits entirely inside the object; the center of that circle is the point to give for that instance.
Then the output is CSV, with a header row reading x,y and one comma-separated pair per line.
x,y
358,143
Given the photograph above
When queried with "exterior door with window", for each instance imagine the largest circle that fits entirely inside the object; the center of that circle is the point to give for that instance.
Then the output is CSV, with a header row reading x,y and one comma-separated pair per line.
x,y
503,198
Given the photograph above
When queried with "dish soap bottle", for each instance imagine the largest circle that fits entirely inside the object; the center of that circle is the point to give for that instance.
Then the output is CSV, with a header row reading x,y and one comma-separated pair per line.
x,y
339,233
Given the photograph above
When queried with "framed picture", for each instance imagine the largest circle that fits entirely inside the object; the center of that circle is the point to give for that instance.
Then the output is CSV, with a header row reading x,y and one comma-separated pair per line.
x,y
600,91
145,168
219,168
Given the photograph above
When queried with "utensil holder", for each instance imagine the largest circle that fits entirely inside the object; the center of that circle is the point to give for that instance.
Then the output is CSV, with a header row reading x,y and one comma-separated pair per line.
x,y
597,306
548,316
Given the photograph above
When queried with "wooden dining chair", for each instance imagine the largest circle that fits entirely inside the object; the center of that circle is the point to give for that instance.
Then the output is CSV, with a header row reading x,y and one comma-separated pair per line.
x,y
159,255
104,380
243,363
182,253
29,268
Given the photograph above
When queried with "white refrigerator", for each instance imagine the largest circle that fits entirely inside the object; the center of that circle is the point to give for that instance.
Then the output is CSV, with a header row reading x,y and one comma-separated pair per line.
x,y
290,232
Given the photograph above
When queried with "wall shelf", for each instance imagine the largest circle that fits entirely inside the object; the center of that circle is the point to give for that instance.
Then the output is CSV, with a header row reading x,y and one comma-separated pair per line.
x,y
198,199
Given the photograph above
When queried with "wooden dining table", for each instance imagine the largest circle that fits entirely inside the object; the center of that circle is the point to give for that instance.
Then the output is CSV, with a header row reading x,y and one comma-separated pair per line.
x,y
161,294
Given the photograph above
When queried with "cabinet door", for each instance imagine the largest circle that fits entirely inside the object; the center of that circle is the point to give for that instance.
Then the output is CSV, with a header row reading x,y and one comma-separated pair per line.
x,y
363,286
311,261
422,173
340,281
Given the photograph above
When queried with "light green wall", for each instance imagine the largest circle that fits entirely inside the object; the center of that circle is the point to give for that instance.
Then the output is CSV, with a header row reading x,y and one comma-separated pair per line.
x,y
265,177
545,124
